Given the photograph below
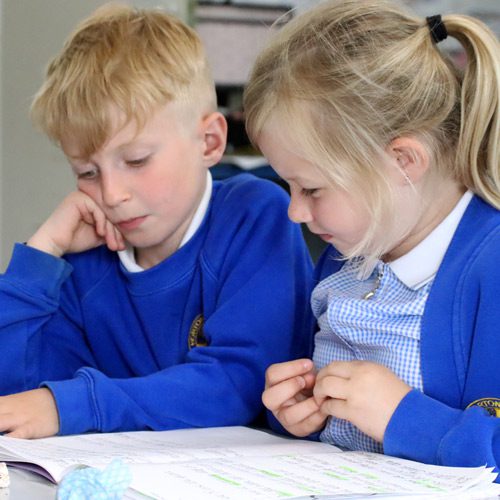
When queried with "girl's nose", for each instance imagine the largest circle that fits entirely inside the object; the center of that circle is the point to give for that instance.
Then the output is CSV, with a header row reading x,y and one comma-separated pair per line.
x,y
298,209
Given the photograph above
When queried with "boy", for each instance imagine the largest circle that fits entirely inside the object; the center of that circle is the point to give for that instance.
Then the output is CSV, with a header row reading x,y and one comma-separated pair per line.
x,y
151,298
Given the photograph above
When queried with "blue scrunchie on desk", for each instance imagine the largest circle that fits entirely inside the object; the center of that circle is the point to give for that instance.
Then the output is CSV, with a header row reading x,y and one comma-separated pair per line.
x,y
96,484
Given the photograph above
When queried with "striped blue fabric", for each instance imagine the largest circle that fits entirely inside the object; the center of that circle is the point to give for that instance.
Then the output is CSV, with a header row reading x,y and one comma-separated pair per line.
x,y
384,329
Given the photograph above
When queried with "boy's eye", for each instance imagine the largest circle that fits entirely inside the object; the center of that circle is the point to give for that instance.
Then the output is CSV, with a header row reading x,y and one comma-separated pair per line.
x,y
88,174
137,162
308,192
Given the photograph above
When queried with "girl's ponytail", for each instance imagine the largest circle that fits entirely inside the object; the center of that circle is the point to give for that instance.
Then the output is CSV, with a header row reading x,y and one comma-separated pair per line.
x,y
478,151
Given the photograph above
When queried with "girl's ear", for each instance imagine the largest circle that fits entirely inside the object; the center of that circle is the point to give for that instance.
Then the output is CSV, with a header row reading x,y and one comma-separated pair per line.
x,y
214,130
411,157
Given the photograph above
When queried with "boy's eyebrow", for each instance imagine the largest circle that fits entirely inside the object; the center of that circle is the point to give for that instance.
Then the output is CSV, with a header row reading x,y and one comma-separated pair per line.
x,y
76,158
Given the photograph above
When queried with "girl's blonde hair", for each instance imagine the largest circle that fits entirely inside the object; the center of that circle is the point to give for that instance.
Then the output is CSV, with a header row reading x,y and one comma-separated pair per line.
x,y
348,77
136,60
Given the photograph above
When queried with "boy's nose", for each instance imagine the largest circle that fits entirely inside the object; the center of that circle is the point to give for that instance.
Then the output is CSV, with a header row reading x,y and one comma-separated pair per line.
x,y
114,191
298,210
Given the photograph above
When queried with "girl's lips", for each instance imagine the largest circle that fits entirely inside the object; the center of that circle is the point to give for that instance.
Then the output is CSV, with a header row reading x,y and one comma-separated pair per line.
x,y
130,224
325,237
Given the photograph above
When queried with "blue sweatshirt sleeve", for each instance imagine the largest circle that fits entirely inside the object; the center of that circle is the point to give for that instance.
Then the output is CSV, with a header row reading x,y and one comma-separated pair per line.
x,y
428,431
30,291
259,270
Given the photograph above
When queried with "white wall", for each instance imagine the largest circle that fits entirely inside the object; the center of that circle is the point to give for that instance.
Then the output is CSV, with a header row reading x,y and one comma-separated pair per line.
x,y
34,176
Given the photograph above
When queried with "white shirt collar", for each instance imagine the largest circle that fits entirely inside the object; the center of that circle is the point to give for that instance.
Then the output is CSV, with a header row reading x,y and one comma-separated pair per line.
x,y
420,265
127,257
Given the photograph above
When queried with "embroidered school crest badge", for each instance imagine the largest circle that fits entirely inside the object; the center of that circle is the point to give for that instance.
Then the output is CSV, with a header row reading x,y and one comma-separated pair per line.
x,y
196,337
491,405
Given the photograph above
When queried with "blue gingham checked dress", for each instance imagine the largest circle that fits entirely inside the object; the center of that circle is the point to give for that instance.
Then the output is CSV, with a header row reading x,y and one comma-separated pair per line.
x,y
384,329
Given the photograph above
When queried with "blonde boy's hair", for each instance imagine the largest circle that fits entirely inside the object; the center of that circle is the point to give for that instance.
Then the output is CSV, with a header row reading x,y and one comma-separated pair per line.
x,y
348,77
135,60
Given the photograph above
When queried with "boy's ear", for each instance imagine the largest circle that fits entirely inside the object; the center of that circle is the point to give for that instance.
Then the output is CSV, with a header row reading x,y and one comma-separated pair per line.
x,y
411,157
214,130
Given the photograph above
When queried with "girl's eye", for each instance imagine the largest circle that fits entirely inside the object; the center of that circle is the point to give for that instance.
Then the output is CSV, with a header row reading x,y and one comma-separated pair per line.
x,y
309,192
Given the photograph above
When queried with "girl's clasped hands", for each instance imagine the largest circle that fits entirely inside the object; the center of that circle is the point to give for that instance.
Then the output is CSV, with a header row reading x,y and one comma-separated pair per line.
x,y
364,393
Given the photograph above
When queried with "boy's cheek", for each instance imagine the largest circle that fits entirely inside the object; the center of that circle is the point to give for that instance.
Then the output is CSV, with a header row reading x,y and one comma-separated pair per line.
x,y
92,193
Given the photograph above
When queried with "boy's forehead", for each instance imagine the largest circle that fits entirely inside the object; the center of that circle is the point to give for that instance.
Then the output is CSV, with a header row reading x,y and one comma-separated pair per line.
x,y
79,142
122,130
71,148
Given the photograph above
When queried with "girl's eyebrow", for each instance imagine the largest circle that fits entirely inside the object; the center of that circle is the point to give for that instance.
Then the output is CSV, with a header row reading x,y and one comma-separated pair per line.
x,y
299,179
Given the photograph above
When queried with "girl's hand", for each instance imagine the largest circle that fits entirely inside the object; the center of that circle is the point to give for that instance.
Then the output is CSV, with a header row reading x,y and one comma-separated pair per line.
x,y
288,394
366,394
77,224
30,414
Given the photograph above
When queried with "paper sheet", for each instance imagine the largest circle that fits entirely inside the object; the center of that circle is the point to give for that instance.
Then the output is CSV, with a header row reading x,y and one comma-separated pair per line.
x,y
247,464
296,475
4,476
57,454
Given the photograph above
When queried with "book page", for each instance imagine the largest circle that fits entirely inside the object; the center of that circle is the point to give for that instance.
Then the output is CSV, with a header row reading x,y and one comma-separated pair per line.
x,y
305,476
243,463
58,454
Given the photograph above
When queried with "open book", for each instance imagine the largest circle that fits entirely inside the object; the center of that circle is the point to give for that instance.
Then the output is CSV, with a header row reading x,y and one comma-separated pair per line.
x,y
242,463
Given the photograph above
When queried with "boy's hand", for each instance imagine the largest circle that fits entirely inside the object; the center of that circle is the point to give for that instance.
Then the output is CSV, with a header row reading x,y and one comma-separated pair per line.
x,y
366,394
30,414
288,394
77,224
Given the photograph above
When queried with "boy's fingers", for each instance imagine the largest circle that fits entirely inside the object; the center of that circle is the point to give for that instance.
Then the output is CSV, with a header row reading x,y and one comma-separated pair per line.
x,y
90,219
93,215
114,239
7,423
282,371
19,433
97,219
111,237
120,240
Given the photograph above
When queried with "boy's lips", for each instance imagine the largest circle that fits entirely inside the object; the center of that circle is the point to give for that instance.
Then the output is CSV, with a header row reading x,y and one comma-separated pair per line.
x,y
130,224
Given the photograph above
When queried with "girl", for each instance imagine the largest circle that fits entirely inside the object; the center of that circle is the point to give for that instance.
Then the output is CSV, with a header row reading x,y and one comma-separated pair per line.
x,y
392,156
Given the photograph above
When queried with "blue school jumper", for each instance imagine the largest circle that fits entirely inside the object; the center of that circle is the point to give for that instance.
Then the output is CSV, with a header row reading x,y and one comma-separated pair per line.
x,y
455,419
183,344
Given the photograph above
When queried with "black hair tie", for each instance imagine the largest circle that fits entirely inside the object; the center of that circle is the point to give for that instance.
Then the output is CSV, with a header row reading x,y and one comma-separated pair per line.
x,y
437,28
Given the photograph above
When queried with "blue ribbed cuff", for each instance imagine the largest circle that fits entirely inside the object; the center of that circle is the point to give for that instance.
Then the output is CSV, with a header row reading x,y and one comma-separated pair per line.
x,y
74,404
418,427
